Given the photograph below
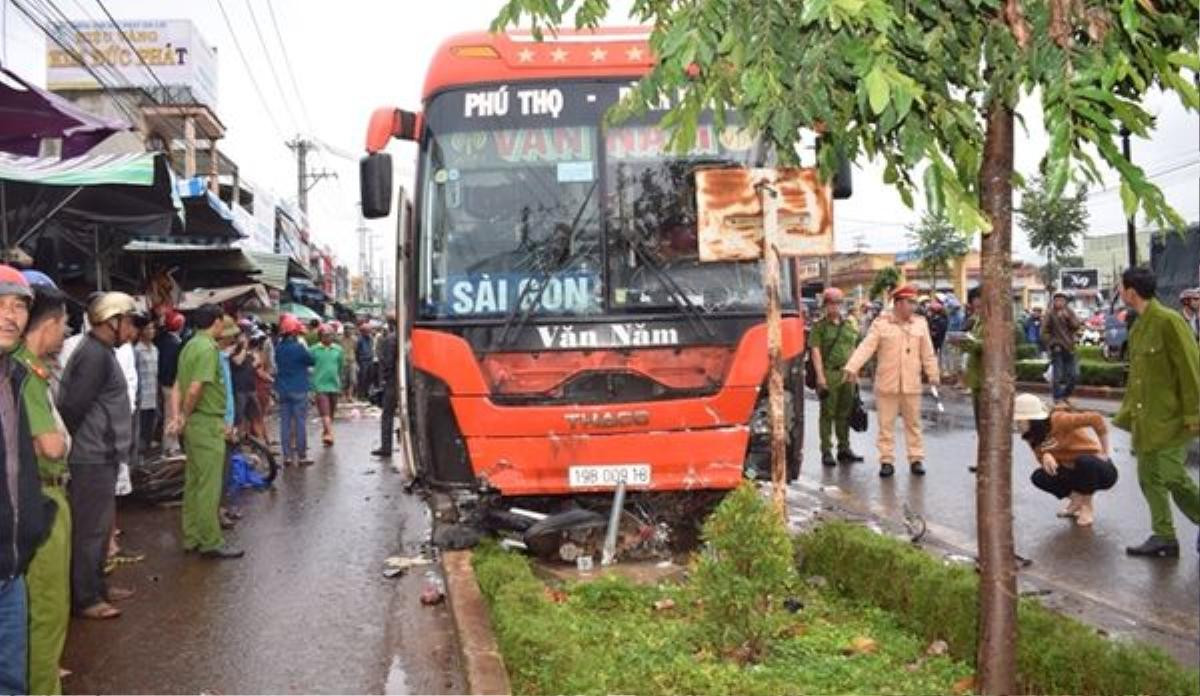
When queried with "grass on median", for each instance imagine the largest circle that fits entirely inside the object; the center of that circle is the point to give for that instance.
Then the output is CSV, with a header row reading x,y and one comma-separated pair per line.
x,y
1055,654
607,636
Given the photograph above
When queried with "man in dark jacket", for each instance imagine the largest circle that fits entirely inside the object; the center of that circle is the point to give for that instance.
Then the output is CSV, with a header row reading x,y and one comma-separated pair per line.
x,y
364,358
388,355
1060,329
169,344
25,514
939,325
94,404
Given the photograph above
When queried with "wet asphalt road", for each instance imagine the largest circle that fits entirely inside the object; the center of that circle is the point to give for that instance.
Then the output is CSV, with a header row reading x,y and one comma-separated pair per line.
x,y
306,611
1157,600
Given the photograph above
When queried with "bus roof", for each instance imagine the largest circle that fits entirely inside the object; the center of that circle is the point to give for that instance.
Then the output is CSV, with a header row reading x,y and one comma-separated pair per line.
x,y
478,57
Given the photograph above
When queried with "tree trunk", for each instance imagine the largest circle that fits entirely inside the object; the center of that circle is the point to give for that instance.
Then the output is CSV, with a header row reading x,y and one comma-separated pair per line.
x,y
993,488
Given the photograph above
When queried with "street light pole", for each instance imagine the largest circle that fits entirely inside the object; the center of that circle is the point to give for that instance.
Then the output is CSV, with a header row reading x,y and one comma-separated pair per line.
x,y
1130,223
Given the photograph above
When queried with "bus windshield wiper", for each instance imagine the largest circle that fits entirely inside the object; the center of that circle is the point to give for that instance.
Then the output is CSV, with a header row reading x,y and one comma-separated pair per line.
x,y
691,312
553,258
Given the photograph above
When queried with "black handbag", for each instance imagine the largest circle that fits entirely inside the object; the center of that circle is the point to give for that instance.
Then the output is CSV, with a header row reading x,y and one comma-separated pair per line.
x,y
810,372
858,414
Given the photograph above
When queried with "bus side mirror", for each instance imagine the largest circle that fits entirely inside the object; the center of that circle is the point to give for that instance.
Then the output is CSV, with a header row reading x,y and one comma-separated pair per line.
x,y
843,182
389,122
375,185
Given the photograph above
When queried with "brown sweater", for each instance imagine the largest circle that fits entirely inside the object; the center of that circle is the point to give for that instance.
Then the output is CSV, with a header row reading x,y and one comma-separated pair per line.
x,y
1070,438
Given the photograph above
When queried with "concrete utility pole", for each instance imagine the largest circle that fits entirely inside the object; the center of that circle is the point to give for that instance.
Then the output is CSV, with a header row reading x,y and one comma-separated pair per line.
x,y
364,269
305,180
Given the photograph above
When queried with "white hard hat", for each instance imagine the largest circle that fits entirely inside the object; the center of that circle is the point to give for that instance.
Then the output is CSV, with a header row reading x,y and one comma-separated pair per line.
x,y
1029,407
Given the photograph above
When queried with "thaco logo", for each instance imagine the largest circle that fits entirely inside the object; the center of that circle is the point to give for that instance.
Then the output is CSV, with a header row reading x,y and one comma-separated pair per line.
x,y
606,419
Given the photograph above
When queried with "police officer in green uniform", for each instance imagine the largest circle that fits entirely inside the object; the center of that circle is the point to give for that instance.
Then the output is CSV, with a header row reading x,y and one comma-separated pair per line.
x,y
49,574
831,342
200,389
1161,409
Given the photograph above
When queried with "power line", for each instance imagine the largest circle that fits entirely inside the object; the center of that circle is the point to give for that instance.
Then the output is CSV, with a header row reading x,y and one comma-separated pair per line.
x,y
177,130
132,48
287,64
47,9
249,71
75,55
119,79
1166,171
271,65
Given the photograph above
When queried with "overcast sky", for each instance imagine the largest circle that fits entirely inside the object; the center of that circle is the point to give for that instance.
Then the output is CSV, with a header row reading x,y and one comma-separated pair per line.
x,y
353,55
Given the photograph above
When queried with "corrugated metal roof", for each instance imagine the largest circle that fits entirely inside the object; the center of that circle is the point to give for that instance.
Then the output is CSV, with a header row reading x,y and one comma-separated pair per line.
x,y
274,268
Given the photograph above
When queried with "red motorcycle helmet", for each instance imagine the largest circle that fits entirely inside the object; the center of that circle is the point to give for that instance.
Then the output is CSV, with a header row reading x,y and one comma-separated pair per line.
x,y
289,325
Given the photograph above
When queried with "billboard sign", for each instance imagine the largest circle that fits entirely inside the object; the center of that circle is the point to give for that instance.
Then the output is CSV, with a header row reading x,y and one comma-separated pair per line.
x,y
730,213
172,48
1083,280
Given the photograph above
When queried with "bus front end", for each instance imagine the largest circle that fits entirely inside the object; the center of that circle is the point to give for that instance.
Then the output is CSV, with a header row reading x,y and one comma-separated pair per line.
x,y
563,335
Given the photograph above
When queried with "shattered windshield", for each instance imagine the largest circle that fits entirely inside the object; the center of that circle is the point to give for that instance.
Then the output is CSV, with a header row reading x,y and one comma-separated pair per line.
x,y
531,207
654,256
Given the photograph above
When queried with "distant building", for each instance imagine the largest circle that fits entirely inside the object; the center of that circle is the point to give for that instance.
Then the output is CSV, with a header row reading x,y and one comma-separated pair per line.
x,y
854,272
1109,254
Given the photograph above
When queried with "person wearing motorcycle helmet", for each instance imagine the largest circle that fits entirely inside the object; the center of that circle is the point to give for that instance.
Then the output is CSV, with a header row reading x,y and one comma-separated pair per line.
x,y
35,277
1073,453
26,515
94,403
1060,332
292,361
169,343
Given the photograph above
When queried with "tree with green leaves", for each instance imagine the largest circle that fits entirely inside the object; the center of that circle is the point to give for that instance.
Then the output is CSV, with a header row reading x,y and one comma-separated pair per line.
x,y
1053,224
885,281
930,89
938,243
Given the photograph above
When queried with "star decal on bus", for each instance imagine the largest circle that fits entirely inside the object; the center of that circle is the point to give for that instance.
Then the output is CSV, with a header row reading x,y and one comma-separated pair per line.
x,y
599,55
525,55
634,54
558,55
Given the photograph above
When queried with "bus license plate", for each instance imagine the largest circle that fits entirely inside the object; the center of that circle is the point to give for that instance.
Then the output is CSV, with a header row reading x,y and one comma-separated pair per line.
x,y
608,476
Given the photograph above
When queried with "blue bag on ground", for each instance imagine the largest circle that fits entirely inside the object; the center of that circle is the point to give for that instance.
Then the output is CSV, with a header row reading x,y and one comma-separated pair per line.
x,y
241,475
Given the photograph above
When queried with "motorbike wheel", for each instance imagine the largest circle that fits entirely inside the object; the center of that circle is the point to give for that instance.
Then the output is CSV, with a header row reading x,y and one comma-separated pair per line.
x,y
259,458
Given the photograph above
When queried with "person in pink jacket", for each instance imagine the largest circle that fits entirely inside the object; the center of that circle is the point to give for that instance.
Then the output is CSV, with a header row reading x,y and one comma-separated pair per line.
x,y
901,343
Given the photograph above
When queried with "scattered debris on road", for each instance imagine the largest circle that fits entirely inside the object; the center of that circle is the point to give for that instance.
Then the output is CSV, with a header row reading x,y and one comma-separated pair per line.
x,y
396,566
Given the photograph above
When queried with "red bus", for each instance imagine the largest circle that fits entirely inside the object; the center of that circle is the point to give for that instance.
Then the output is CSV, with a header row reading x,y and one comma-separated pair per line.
x,y
562,334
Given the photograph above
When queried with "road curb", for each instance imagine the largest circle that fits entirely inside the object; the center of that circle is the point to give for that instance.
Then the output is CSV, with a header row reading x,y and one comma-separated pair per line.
x,y
484,666
1084,391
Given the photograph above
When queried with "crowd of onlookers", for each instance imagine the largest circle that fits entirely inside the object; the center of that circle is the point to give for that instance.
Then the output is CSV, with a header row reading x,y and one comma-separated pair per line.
x,y
133,387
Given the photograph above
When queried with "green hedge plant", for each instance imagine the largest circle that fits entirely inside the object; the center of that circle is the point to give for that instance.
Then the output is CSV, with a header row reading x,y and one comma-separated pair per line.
x,y
743,576
938,600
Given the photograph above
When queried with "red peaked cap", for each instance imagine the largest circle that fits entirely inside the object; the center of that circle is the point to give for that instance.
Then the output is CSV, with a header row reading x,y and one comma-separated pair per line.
x,y
904,292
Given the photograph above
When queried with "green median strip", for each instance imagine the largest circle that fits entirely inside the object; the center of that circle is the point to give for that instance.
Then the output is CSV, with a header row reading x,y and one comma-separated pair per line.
x,y
840,609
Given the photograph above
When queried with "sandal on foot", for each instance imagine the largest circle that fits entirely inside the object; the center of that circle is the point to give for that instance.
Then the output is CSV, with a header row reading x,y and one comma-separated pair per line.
x,y
100,611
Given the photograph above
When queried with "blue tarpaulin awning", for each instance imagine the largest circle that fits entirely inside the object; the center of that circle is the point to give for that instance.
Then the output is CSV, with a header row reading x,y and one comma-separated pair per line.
x,y
206,215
